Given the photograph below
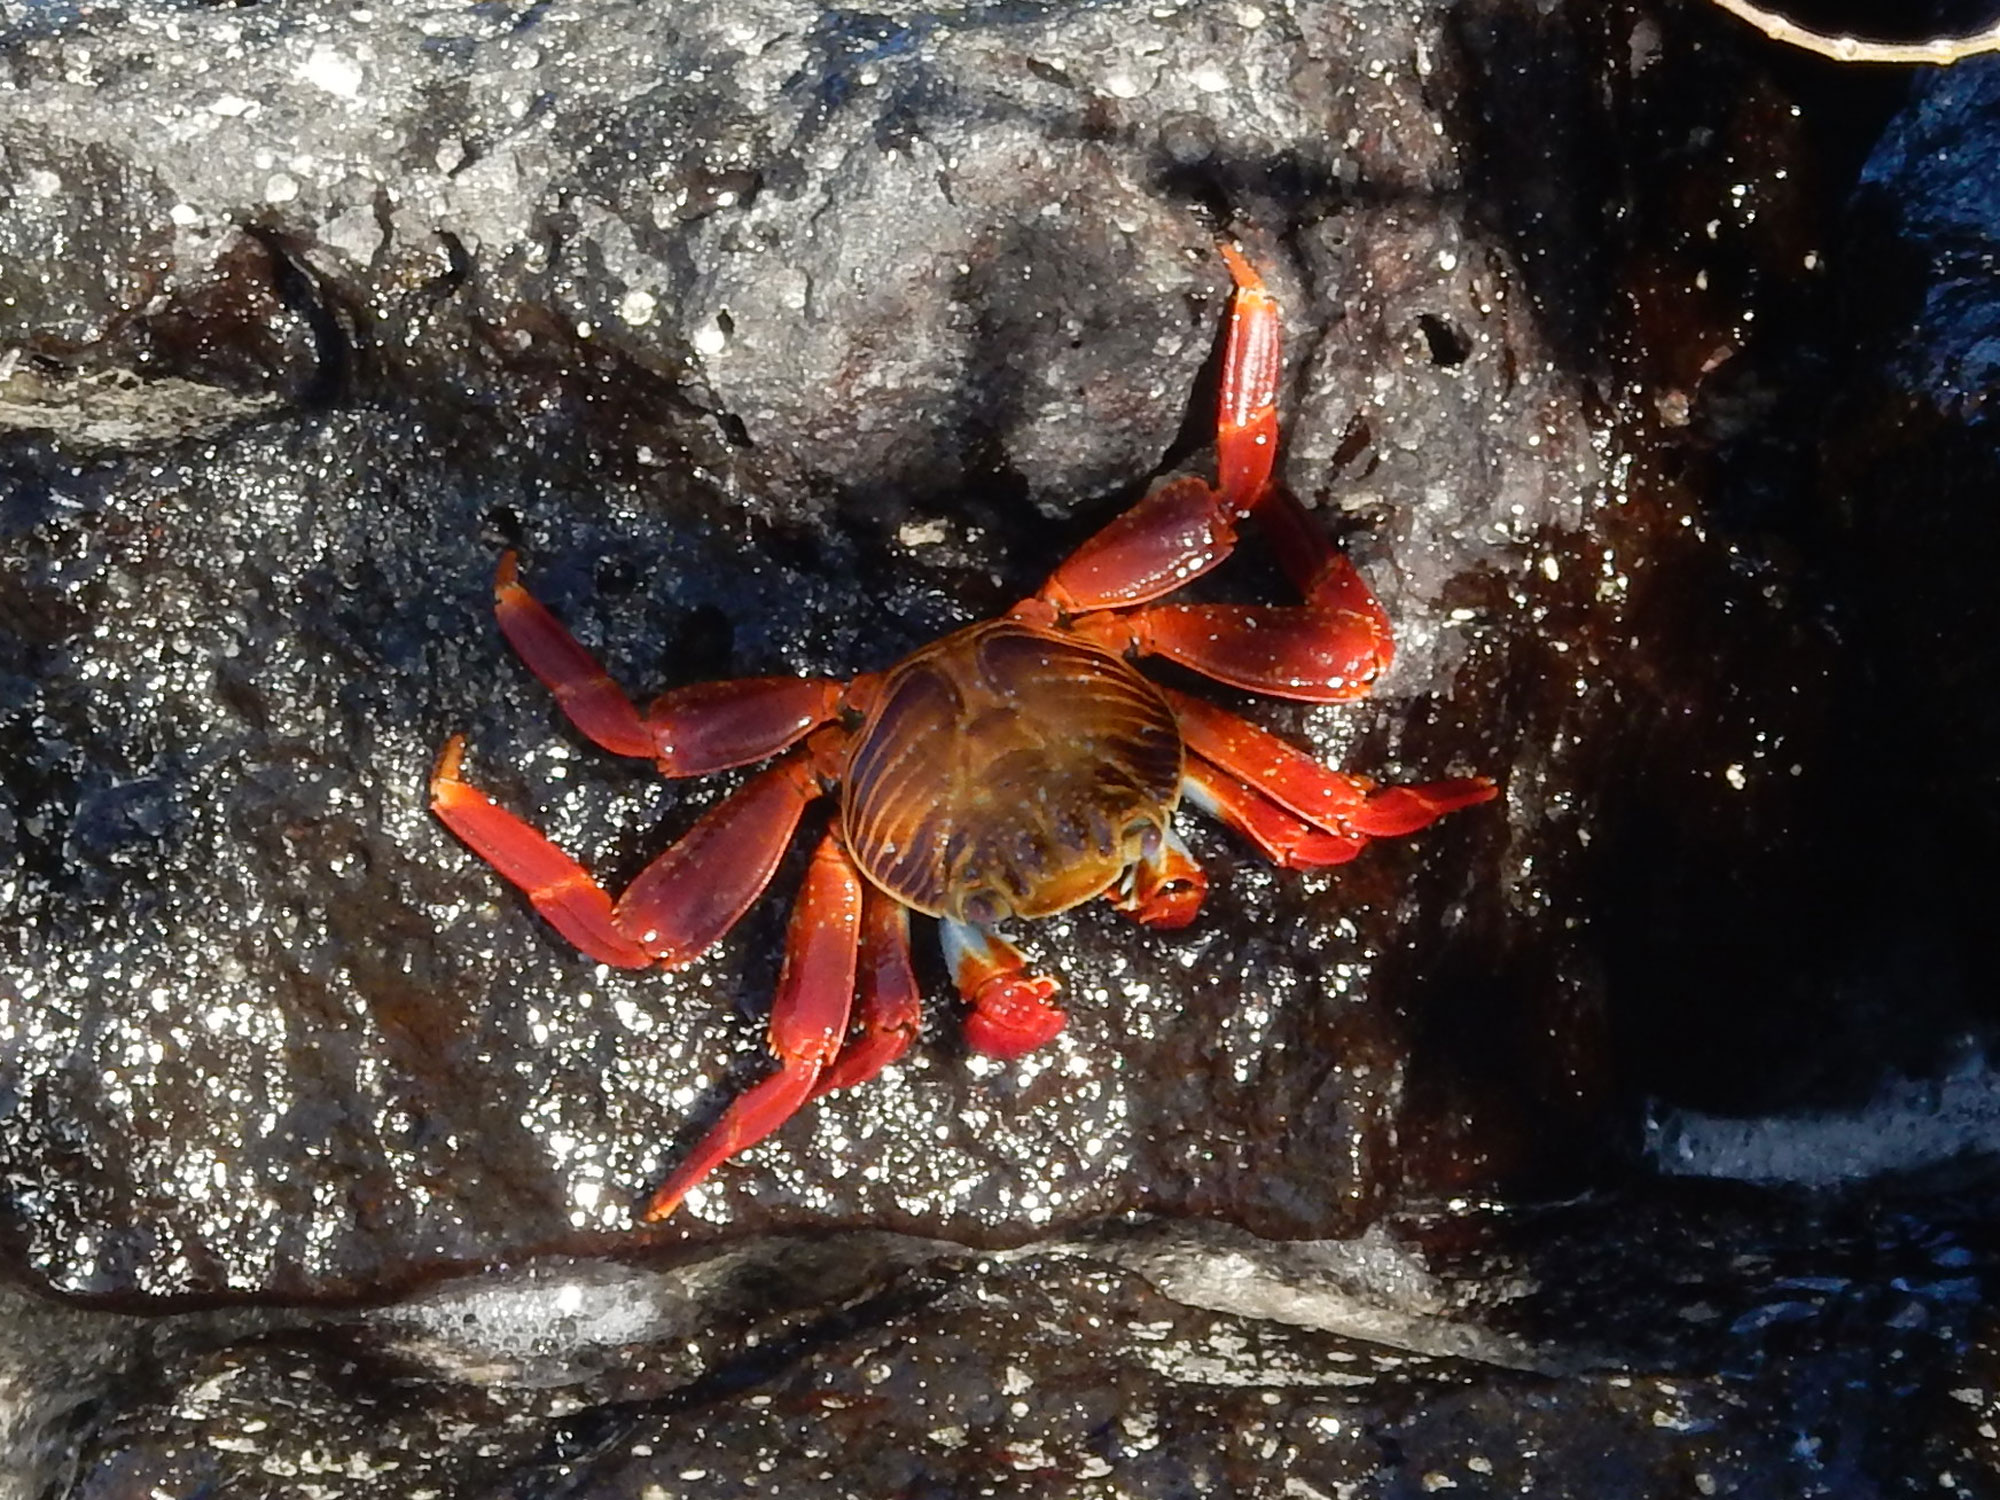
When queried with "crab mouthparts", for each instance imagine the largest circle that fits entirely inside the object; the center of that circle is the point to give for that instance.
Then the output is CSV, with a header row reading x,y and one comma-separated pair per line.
x,y
1031,874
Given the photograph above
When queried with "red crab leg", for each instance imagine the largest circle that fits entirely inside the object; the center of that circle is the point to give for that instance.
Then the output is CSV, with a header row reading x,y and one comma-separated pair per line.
x,y
1393,811
1246,426
1166,886
891,1004
1182,528
709,726
1305,653
1295,843
679,904
1177,532
1327,650
1319,794
594,703
712,726
1288,842
1011,1013
560,888
808,1020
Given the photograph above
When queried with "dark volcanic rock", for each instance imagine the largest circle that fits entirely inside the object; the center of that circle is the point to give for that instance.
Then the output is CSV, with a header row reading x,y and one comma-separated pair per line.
x,y
784,340
759,364
1706,1342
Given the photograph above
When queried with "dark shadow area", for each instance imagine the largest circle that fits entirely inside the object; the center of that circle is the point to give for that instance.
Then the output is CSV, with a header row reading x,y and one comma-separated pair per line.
x,y
1677,194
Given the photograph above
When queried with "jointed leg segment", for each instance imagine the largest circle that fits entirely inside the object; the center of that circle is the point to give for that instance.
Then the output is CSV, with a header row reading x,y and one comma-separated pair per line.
x,y
559,888
890,1004
1299,812
1330,648
808,1021
679,905
708,726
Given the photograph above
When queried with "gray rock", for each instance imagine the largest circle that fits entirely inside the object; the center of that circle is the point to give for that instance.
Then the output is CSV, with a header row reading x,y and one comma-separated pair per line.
x,y
784,340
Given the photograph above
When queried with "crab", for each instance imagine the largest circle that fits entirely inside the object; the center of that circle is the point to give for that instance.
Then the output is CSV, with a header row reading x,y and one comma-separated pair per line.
x,y
1011,770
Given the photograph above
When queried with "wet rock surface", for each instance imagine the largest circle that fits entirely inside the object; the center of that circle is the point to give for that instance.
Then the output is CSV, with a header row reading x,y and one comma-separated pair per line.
x,y
784,340
1701,1341
280,1035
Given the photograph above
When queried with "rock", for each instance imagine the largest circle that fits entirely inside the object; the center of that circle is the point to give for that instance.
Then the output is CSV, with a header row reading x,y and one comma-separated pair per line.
x,y
783,341
1703,1339
757,344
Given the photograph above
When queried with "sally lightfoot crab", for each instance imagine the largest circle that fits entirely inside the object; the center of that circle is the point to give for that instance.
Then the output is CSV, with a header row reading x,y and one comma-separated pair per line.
x,y
1013,769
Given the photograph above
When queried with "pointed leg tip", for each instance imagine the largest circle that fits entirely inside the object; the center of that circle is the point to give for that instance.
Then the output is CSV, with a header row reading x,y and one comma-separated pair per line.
x,y
504,576
1468,792
660,1207
1240,270
665,1200
445,767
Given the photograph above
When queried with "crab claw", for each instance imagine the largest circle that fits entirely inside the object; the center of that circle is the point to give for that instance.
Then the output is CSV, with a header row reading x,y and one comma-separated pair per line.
x,y
1165,888
1011,1014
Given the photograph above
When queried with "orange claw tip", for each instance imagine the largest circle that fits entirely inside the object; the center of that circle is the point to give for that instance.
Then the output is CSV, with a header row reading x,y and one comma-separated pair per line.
x,y
1172,909
510,566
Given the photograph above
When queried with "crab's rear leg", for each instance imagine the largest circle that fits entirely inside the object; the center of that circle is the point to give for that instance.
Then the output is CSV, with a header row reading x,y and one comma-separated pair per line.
x,y
1331,647
890,1010
679,905
1317,793
1287,841
1295,844
1304,815
708,726
808,1021
1184,527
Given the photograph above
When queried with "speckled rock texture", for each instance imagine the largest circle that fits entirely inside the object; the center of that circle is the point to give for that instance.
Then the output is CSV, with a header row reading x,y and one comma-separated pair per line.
x,y
784,340
279,1034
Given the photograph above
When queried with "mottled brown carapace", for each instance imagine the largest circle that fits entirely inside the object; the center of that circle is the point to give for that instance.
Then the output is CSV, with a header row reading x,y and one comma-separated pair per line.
x,y
1008,771
1014,769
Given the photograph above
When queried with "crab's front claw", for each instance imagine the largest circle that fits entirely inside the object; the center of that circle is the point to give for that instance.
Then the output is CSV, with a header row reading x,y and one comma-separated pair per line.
x,y
1011,1011
1011,1016
1166,886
